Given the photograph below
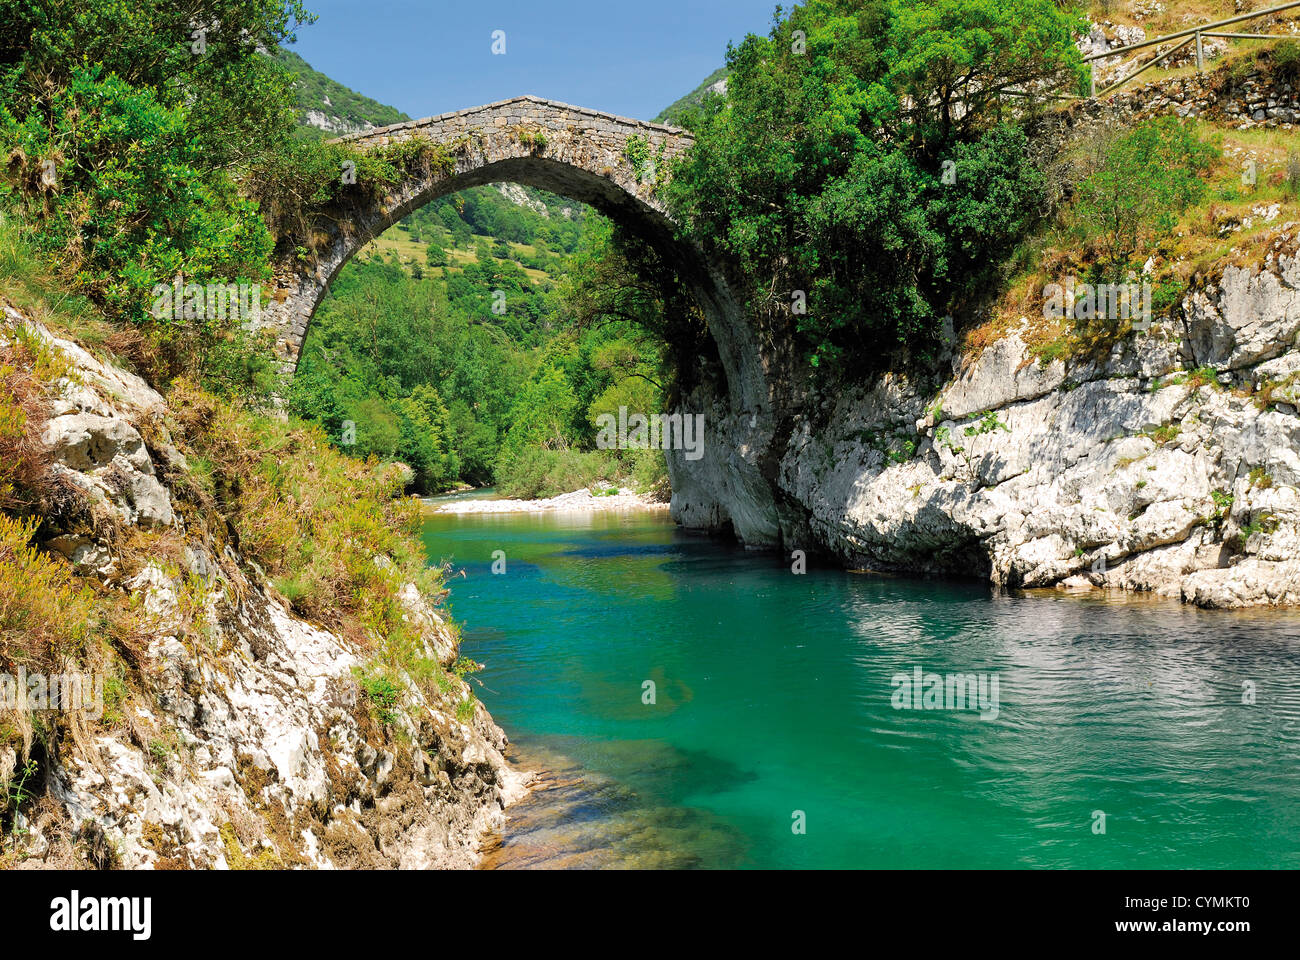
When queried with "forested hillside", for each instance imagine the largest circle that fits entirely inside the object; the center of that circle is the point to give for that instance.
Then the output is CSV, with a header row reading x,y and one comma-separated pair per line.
x,y
327,108
452,343
714,83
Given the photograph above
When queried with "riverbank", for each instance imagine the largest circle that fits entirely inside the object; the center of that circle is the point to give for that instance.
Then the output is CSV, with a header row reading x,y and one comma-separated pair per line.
x,y
581,501
247,712
1164,464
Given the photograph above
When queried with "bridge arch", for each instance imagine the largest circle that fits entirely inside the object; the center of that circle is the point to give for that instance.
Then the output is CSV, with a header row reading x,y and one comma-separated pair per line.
x,y
572,151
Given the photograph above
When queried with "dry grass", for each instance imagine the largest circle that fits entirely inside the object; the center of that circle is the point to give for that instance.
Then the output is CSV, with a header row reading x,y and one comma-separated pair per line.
x,y
1228,228
23,411
333,534
46,612
1178,14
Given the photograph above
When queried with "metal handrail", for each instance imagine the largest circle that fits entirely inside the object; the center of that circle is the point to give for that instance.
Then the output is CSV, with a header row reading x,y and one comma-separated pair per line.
x,y
1191,34
1192,31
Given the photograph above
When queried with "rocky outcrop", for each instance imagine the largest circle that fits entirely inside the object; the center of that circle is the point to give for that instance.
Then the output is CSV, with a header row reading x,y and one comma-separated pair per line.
x,y
248,739
521,198
1171,465
1252,100
334,124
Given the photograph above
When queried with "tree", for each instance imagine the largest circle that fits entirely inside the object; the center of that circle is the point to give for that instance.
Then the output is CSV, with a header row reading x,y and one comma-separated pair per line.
x,y
956,58
426,441
539,417
827,169
238,101
1146,178
132,131
378,430
449,217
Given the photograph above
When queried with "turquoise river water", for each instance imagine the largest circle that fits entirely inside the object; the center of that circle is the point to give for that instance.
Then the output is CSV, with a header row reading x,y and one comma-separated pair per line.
x,y
776,735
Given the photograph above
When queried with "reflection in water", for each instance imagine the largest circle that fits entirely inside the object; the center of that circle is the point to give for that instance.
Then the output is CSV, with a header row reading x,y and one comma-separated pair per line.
x,y
772,695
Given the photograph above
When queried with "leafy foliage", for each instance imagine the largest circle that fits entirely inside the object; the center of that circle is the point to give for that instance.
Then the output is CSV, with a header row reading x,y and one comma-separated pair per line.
x,y
1146,179
823,170
427,372
129,132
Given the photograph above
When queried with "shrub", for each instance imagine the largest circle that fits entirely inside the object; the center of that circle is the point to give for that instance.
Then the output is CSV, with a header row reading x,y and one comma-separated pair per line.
x,y
1286,60
121,221
384,694
331,531
46,615
536,473
831,173
25,368
1147,178
302,193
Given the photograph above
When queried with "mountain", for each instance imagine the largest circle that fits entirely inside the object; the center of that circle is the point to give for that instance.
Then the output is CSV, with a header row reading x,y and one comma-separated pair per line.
x,y
326,108
716,82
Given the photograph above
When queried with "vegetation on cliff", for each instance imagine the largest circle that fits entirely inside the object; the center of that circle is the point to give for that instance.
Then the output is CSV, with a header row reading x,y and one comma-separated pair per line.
x,y
862,160
133,139
876,176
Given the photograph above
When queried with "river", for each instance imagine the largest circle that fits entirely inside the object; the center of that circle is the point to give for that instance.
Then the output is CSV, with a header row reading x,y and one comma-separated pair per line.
x,y
691,704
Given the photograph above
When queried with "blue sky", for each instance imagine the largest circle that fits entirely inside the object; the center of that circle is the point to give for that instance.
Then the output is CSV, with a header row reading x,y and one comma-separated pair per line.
x,y
434,56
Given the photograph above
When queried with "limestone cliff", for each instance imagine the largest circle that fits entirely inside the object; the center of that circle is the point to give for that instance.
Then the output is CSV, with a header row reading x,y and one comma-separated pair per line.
x,y
247,739
1170,465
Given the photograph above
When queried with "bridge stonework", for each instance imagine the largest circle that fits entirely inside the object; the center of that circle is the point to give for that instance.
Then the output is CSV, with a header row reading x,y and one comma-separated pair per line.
x,y
581,154
572,151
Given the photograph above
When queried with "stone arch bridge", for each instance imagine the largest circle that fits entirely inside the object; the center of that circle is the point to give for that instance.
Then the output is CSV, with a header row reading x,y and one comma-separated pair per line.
x,y
578,153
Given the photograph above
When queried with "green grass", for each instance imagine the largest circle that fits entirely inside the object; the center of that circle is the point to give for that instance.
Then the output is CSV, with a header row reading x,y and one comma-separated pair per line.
x,y
31,287
396,242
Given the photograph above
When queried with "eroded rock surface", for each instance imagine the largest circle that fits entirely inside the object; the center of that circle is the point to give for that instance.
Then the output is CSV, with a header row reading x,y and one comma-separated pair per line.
x,y
1171,466
251,743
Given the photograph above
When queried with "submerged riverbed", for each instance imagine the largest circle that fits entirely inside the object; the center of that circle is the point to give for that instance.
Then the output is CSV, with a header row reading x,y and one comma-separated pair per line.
x,y
774,706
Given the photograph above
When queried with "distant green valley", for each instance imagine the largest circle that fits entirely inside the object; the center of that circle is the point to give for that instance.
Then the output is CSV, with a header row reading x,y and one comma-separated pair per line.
x,y
455,342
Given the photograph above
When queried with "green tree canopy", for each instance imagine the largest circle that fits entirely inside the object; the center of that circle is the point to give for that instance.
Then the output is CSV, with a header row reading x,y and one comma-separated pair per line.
x,y
860,165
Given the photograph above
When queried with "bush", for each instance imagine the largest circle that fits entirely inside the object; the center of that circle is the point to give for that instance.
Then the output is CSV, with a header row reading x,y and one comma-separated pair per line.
x,y
301,192
46,615
332,532
1286,60
26,367
119,222
536,473
829,173
1147,178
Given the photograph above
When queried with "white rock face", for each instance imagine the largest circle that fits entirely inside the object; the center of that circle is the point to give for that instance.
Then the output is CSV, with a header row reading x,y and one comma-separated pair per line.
x,y
257,746
520,198
333,124
1124,473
